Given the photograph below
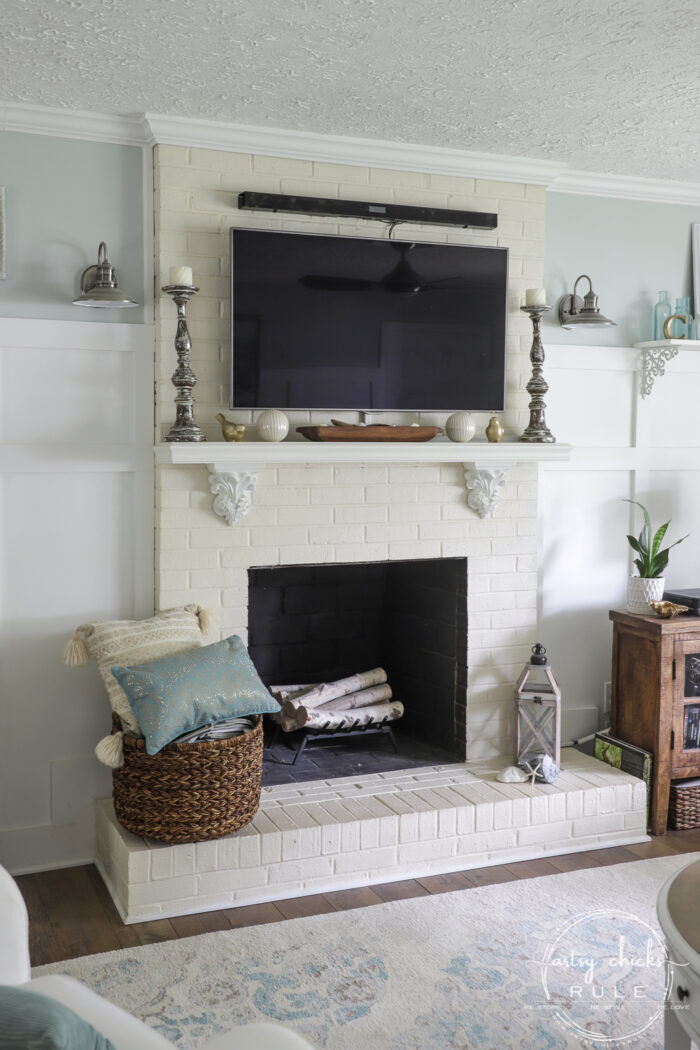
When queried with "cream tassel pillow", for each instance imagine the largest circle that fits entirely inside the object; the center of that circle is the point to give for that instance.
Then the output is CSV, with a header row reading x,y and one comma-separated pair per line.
x,y
134,642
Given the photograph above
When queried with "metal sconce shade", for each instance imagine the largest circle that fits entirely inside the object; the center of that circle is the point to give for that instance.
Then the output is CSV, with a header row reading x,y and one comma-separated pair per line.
x,y
99,285
574,311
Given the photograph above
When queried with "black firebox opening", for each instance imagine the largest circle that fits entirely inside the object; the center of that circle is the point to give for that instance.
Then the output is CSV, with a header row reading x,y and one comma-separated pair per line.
x,y
314,623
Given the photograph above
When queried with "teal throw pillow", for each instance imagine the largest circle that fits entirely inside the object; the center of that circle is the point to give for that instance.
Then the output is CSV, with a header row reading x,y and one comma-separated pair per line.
x,y
187,690
30,1019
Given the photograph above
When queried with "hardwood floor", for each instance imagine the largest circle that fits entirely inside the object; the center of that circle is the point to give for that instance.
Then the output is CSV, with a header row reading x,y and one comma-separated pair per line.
x,y
71,913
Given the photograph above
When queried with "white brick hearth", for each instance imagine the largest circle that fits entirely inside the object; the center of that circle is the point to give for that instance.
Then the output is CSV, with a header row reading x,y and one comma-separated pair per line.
x,y
308,838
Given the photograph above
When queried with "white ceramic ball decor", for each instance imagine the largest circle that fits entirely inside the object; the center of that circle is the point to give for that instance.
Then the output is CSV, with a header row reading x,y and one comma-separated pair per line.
x,y
460,427
272,425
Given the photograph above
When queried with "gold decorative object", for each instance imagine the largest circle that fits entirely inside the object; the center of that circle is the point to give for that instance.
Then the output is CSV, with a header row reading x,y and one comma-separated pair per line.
x,y
668,609
494,431
230,431
667,325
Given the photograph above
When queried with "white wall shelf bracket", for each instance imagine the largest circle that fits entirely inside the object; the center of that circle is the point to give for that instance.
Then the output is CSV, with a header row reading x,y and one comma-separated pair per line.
x,y
655,357
232,490
654,365
485,486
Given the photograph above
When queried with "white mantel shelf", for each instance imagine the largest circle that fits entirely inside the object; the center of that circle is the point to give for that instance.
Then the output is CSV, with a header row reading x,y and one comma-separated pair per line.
x,y
270,453
233,467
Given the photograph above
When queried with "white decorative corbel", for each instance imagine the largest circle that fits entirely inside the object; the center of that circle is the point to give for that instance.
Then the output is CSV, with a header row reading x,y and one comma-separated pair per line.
x,y
485,486
232,490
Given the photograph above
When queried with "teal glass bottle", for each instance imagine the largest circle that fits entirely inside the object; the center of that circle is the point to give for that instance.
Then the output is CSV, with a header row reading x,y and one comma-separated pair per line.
x,y
680,329
662,311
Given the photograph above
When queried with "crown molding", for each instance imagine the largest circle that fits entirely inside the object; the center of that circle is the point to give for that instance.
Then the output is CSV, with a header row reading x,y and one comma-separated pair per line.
x,y
342,149
628,187
149,129
123,130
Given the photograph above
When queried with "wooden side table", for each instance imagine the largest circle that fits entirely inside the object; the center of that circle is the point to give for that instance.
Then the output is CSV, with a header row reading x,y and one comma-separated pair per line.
x,y
678,909
656,697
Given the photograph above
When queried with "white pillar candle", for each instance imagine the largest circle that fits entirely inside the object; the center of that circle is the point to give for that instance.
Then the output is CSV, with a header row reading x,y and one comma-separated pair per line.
x,y
536,297
181,275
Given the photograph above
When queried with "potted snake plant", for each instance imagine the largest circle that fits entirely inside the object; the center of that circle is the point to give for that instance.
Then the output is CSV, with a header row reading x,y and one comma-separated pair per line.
x,y
650,562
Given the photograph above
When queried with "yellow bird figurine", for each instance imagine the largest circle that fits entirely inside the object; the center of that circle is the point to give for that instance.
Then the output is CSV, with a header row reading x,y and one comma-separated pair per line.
x,y
231,431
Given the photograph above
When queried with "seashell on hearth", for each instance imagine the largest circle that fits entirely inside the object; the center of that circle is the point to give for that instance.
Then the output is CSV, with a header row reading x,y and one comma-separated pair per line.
x,y
512,775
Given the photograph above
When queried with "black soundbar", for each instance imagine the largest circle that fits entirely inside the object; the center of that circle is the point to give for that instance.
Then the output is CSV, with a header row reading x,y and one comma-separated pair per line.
x,y
364,210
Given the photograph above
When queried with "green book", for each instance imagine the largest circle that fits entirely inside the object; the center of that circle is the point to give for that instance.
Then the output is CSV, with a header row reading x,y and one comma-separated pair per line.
x,y
628,758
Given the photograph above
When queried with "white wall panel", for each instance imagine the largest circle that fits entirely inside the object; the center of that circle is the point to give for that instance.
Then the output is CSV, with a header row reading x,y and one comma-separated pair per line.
x,y
671,417
68,538
624,447
591,397
584,574
78,396
76,544
675,494
583,411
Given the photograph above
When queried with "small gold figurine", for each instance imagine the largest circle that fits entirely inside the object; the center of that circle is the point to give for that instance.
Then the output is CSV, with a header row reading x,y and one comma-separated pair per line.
x,y
668,609
494,431
231,431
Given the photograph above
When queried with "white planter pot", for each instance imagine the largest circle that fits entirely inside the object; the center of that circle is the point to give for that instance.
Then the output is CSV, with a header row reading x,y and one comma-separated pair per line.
x,y
641,591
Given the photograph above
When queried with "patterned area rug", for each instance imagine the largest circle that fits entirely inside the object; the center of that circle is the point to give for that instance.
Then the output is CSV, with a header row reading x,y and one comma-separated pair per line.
x,y
515,965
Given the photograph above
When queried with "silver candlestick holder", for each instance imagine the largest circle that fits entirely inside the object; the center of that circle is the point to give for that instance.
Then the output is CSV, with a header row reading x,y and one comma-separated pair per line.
x,y
537,429
184,427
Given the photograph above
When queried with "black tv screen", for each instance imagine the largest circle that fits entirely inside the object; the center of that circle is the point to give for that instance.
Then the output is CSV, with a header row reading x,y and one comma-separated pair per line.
x,y
328,322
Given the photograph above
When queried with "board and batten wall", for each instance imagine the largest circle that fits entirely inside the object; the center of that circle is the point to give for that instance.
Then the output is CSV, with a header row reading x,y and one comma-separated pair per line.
x,y
625,446
76,479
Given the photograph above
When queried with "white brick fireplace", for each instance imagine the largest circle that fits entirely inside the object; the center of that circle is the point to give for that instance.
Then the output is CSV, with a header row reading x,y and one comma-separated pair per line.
x,y
372,509
311,504
310,837
305,503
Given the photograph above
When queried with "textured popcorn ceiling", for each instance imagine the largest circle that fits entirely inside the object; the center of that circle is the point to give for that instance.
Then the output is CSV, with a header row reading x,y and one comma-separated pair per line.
x,y
608,87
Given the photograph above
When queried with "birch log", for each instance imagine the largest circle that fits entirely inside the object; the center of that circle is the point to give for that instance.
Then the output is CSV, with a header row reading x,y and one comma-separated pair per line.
x,y
326,691
290,692
316,719
287,725
364,698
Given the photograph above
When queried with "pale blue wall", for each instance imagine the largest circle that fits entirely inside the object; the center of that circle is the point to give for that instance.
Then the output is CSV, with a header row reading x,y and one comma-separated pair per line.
x,y
630,249
62,197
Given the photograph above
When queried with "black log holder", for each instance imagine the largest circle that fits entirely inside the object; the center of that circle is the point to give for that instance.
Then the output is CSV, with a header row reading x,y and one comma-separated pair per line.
x,y
338,733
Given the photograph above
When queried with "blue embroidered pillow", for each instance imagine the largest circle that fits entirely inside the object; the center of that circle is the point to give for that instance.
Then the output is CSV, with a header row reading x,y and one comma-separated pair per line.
x,y
187,690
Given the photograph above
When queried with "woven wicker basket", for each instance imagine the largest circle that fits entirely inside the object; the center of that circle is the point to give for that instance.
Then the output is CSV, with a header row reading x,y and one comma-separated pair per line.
x,y
189,792
684,808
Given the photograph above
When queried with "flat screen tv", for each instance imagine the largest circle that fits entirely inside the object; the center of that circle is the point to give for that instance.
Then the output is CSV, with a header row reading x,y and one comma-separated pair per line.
x,y
328,322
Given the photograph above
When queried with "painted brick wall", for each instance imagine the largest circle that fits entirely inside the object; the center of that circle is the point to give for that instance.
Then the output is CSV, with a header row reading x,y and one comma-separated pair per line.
x,y
314,514
372,511
196,205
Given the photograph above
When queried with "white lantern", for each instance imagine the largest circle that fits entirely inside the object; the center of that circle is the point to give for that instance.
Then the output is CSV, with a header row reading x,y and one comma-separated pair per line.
x,y
537,711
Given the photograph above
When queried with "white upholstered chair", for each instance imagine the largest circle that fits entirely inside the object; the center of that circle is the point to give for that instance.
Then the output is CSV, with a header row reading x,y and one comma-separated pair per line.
x,y
124,1030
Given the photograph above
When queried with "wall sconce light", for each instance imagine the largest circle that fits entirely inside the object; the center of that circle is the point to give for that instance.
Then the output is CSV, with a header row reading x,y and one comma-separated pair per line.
x,y
99,285
575,311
